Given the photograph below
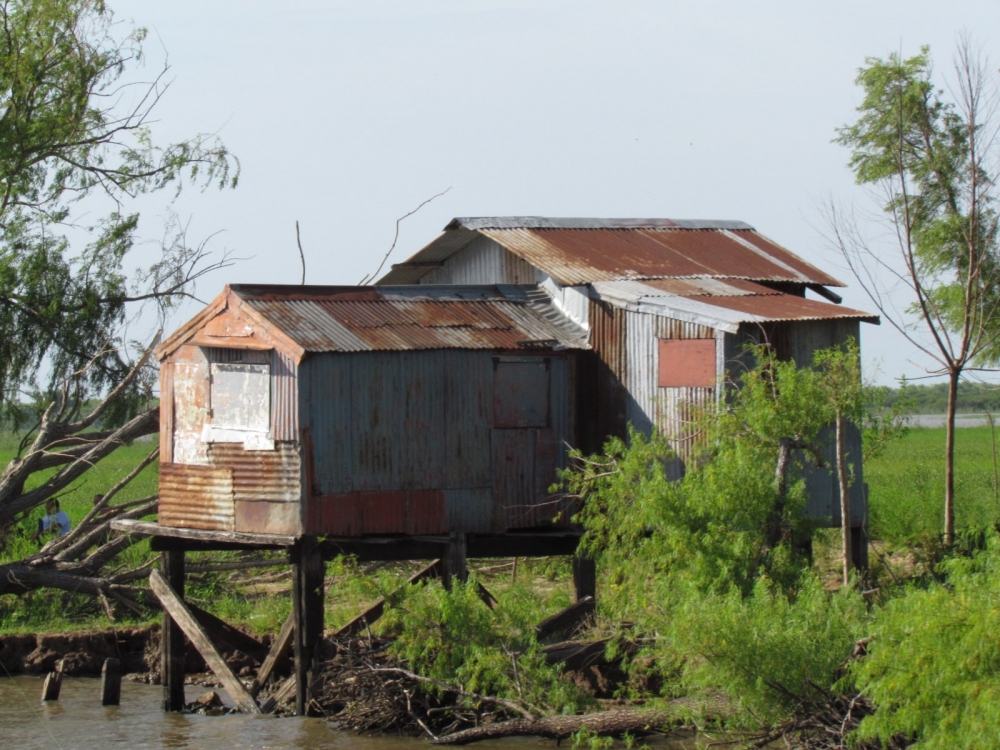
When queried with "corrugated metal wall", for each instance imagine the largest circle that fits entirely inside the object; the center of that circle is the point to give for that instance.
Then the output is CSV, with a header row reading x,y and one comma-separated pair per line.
x,y
669,410
800,340
482,262
413,435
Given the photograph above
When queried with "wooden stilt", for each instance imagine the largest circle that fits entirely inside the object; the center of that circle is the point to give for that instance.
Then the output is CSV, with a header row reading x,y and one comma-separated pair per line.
x,y
308,570
859,549
454,563
172,647
584,577
111,682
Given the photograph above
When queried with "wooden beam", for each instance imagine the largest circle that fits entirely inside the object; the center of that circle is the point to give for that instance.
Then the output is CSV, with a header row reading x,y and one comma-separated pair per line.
x,y
149,528
370,615
171,544
226,635
522,545
280,649
284,693
172,637
192,629
565,620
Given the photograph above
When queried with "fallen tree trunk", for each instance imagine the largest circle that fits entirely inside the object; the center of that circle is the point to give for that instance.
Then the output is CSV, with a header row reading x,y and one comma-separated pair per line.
x,y
560,727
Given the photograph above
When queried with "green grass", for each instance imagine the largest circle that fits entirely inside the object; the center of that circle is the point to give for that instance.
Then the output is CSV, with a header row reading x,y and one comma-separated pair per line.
x,y
52,611
78,498
906,484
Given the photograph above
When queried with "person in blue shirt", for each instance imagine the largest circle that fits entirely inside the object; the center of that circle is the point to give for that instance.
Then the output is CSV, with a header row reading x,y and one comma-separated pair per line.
x,y
55,522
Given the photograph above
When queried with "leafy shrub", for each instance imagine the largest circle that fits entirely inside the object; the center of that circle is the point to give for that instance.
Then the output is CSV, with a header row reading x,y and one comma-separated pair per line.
x,y
453,637
769,650
933,670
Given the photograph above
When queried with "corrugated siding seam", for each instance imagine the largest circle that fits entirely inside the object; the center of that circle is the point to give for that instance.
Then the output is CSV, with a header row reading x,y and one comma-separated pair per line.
x,y
284,397
482,262
261,475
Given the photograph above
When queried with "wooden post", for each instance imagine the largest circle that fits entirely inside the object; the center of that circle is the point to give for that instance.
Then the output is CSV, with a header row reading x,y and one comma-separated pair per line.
x,y
172,649
454,562
194,631
584,577
308,569
53,684
111,682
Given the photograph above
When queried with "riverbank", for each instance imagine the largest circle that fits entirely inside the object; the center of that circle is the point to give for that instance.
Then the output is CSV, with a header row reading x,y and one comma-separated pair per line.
x,y
83,653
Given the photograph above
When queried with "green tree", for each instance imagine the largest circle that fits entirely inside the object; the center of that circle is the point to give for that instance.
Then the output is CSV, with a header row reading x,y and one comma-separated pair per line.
x,y
76,142
75,136
928,154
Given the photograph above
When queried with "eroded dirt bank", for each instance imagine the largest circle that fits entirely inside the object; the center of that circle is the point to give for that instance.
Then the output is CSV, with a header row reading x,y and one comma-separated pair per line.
x,y
138,650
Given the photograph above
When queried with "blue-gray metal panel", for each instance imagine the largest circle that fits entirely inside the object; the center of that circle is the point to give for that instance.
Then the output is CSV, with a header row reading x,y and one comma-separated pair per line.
x,y
468,419
327,407
422,386
521,393
514,478
378,441
470,510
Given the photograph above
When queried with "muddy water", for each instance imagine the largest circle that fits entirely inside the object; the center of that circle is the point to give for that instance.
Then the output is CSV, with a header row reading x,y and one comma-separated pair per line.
x,y
77,721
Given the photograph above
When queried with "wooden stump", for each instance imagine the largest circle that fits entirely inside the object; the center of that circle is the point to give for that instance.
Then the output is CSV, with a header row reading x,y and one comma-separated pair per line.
x,y
53,684
454,563
308,569
111,683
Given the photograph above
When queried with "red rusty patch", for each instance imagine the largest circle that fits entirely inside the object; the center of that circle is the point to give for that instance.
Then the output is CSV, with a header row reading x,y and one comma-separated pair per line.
x,y
688,363
268,518
337,515
425,513
383,512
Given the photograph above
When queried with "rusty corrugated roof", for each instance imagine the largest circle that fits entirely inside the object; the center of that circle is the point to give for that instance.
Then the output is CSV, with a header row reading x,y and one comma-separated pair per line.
x,y
724,308
352,319
582,251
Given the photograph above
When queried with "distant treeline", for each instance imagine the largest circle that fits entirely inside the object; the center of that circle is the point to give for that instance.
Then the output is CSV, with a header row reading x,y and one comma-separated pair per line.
x,y
933,399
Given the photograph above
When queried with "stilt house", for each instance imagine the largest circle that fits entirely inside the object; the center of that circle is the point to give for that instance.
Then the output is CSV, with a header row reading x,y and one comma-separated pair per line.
x,y
668,307
347,411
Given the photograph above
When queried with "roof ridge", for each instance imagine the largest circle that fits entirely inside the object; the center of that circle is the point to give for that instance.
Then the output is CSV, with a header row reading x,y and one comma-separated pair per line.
x,y
555,222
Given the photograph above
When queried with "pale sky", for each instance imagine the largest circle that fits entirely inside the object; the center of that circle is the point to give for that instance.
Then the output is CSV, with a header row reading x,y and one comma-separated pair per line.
x,y
346,115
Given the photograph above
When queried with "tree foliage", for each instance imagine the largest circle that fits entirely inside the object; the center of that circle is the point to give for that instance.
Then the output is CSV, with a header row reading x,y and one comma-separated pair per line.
x,y
75,137
713,566
932,157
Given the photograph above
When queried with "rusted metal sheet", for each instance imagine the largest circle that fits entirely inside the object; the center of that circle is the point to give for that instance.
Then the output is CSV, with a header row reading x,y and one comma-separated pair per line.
x,y
337,515
196,497
414,512
687,363
262,517
520,392
261,475
788,307
383,512
426,513
581,251
284,397
349,319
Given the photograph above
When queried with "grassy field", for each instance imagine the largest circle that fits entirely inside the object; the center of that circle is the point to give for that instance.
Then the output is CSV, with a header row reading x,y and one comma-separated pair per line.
x,y
906,484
